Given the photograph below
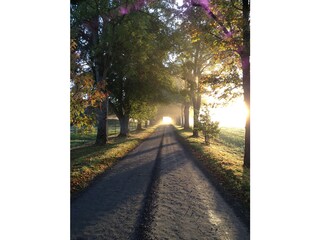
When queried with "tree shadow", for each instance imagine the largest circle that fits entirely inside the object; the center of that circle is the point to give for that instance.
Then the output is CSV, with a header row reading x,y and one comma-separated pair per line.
x,y
118,197
121,189
93,150
245,189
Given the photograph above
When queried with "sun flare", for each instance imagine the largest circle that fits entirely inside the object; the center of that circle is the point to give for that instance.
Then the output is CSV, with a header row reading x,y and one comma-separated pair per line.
x,y
166,120
232,115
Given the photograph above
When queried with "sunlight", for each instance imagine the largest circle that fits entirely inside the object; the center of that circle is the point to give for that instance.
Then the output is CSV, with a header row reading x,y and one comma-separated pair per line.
x,y
179,2
166,120
232,115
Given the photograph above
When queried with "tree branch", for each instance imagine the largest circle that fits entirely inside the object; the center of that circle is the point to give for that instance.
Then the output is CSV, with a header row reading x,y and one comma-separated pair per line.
x,y
210,13
234,6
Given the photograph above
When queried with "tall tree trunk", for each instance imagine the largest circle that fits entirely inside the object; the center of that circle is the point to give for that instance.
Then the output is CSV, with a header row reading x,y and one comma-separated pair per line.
x,y
102,113
139,125
196,113
124,126
186,116
146,123
246,93
182,115
99,73
196,97
245,60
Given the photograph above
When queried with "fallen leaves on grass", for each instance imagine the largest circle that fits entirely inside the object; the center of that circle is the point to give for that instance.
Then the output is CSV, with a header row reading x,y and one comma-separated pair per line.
x,y
89,162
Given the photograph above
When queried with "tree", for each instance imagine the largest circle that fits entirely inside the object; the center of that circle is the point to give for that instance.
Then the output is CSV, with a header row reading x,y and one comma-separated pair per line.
x,y
245,60
196,57
81,92
90,24
234,15
138,74
110,37
143,111
209,128
195,61
186,108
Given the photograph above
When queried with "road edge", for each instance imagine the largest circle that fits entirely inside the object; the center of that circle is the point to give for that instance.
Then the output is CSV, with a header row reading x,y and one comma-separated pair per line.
x,y
240,211
97,178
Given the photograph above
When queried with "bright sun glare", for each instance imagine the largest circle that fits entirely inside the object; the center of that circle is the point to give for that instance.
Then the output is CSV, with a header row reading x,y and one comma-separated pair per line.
x,y
166,120
232,115
179,2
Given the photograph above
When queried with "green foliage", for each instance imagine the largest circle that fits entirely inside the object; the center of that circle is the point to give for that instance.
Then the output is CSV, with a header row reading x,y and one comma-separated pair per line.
x,y
209,128
122,47
143,111
81,89
215,53
126,49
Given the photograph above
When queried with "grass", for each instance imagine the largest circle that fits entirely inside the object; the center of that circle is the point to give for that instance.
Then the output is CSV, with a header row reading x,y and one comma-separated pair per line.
x,y
89,162
78,138
232,137
223,158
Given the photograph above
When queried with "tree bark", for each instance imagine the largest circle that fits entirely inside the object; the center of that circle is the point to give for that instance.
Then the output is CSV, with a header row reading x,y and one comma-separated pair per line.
x,y
99,73
245,60
182,115
124,126
246,93
196,112
186,116
146,123
207,139
102,112
196,96
139,125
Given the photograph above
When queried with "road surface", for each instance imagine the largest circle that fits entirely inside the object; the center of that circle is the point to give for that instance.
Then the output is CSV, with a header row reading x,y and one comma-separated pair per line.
x,y
156,192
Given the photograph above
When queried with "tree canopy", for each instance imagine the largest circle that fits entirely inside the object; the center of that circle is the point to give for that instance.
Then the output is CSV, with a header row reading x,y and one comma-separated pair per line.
x,y
132,55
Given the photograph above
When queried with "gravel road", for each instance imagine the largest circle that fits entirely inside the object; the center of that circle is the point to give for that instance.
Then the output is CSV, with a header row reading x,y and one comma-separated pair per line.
x,y
156,192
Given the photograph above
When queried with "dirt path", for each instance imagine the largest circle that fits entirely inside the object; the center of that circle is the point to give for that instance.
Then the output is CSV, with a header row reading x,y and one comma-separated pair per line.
x,y
186,205
181,202
110,209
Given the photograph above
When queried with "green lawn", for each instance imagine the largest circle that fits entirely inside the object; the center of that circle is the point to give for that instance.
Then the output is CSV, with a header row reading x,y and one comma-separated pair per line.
x,y
224,160
78,138
232,137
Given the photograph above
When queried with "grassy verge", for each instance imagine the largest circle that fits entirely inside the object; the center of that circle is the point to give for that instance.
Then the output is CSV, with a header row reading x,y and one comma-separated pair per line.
x,y
89,162
223,161
80,138
232,137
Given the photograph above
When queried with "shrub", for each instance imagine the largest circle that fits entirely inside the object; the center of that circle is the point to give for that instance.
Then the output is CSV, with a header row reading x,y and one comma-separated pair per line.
x,y
209,128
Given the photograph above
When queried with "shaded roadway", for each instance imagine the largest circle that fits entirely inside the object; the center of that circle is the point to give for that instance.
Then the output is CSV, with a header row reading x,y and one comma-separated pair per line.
x,y
155,192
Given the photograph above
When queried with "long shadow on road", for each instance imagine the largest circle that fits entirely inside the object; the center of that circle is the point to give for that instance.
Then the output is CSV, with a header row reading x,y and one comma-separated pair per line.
x,y
110,208
114,207
94,149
